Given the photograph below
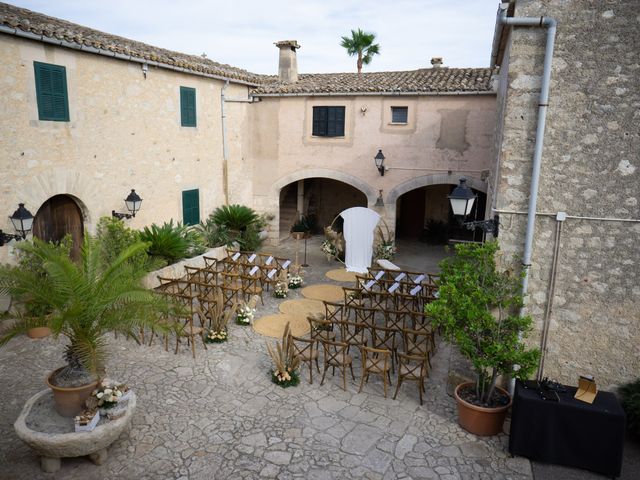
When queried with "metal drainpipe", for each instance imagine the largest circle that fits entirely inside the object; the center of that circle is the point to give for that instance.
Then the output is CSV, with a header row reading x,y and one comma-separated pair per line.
x,y
550,24
225,172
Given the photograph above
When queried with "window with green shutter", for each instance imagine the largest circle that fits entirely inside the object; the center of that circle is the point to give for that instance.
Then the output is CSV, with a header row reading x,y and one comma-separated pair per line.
x,y
188,106
328,122
191,207
51,92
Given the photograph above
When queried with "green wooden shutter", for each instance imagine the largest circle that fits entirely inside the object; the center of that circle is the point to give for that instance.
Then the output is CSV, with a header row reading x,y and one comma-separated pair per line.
x,y
319,121
191,207
51,92
335,122
188,106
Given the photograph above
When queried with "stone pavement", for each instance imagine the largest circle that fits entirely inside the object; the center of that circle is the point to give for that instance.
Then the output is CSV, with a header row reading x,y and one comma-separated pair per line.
x,y
219,416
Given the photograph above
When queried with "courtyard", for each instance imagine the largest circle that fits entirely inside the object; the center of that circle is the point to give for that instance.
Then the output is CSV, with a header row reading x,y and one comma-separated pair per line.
x,y
220,416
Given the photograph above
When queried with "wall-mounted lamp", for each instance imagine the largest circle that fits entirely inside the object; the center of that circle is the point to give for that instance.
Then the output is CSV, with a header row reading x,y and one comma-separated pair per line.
x,y
379,158
462,199
145,69
132,202
380,201
22,221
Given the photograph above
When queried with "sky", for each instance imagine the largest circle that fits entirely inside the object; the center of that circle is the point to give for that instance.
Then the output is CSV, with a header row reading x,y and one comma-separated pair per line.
x,y
242,33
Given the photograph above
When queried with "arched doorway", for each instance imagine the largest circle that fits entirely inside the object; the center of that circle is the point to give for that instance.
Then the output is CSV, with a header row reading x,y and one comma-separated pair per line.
x,y
425,214
57,217
319,199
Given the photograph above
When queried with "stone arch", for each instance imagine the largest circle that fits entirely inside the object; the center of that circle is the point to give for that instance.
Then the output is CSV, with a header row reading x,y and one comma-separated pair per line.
x,y
61,181
437,179
327,173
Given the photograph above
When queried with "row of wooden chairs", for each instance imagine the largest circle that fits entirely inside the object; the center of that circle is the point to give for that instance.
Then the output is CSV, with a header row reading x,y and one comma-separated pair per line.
x,y
413,363
402,275
424,292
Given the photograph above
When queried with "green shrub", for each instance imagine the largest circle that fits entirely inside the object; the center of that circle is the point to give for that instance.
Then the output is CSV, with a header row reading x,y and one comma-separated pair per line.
x,y
478,309
166,241
213,235
235,217
115,237
173,242
630,394
250,240
31,264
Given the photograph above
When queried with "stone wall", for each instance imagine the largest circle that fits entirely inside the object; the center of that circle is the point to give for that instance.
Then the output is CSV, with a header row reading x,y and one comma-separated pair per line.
x,y
124,132
589,169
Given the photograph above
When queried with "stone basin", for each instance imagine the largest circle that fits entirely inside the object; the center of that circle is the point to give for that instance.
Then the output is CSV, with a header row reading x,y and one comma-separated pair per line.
x,y
53,437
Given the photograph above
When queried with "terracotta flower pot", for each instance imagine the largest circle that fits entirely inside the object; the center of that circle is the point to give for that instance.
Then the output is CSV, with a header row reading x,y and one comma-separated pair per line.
x,y
480,421
69,401
38,332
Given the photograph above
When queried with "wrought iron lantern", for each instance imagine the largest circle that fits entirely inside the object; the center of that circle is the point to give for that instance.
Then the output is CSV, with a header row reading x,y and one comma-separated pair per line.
x,y
379,158
22,221
462,201
133,202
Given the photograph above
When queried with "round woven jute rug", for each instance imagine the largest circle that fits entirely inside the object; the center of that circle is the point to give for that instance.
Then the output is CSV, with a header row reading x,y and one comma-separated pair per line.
x,y
323,291
301,307
341,275
273,325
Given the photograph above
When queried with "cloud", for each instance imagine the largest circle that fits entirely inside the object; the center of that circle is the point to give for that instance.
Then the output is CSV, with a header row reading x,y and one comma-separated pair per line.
x,y
410,32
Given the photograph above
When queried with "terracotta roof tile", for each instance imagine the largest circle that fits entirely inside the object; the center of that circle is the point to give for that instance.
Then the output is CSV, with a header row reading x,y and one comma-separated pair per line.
x,y
417,81
39,24
425,80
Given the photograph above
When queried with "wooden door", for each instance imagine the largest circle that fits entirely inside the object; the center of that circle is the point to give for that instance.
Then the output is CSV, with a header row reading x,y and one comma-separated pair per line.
x,y
57,217
410,222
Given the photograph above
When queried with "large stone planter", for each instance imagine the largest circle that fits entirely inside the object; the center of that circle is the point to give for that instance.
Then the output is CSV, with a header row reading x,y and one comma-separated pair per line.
x,y
52,446
176,270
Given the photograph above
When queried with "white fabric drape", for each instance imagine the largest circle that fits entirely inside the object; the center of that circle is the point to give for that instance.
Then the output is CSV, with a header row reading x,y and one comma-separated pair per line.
x,y
359,224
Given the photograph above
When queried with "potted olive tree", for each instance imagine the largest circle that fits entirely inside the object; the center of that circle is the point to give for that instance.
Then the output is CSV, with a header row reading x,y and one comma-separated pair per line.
x,y
478,310
83,302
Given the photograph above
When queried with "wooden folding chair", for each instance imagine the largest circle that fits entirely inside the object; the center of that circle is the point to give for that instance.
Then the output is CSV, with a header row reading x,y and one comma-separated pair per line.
x,y
418,342
320,327
384,338
252,285
335,355
353,334
413,368
376,361
307,352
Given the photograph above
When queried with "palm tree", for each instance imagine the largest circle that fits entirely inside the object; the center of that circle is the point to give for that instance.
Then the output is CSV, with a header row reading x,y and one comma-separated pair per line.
x,y
361,44
83,301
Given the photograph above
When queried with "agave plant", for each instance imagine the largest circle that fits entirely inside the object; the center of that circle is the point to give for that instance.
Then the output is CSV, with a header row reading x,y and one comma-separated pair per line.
x,y
285,360
83,302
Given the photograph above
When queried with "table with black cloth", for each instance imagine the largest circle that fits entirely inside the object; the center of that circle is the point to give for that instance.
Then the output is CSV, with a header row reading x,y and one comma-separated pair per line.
x,y
568,432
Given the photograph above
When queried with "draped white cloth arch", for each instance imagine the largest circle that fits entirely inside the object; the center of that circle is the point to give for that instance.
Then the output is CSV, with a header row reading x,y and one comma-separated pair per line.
x,y
359,225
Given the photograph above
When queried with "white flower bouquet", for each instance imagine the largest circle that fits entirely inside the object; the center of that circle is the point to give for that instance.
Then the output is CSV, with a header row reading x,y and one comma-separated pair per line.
x,y
294,281
108,394
281,290
216,336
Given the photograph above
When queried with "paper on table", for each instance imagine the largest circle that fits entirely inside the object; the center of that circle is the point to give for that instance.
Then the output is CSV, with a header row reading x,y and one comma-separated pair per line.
x,y
587,389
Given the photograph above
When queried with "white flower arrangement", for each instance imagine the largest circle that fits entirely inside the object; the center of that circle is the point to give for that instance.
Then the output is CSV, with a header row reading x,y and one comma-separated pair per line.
x,y
244,315
385,250
218,336
294,281
329,249
280,290
109,394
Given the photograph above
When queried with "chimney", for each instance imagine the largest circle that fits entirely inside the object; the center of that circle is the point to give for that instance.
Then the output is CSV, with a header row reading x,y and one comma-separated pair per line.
x,y
288,64
436,62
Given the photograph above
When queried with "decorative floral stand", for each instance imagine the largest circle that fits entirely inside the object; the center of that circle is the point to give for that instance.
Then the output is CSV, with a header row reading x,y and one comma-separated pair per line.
x,y
54,446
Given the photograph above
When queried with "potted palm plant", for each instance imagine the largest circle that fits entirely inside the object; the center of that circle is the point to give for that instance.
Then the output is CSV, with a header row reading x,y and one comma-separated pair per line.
x,y
478,309
83,302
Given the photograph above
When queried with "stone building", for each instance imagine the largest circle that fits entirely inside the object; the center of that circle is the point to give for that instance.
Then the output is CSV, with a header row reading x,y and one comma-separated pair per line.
x,y
589,171
189,134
